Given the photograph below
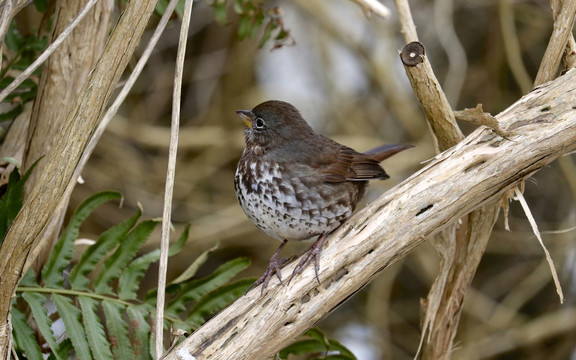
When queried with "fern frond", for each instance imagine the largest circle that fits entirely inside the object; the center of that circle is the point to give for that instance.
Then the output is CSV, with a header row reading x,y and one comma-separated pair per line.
x,y
115,264
62,252
107,241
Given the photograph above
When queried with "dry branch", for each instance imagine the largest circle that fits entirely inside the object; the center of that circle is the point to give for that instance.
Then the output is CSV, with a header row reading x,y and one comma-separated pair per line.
x,y
56,179
63,76
563,25
476,172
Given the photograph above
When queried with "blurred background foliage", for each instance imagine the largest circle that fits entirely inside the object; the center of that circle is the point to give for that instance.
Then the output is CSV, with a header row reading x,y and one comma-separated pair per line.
x,y
342,70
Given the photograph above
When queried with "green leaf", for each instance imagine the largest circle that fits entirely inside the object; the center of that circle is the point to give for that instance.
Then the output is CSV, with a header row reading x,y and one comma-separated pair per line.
x,y
71,317
174,286
41,5
62,253
317,335
11,201
29,279
115,264
11,114
24,336
94,330
36,302
303,347
193,268
13,40
338,357
129,281
200,287
267,34
216,301
220,10
139,331
317,344
244,27
345,353
118,330
179,244
107,241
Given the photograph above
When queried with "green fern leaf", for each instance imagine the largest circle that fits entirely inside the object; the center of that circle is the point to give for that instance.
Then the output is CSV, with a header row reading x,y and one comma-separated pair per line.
x,y
197,288
62,253
345,353
36,302
187,274
107,241
216,301
193,268
71,317
129,281
11,200
317,344
139,331
129,247
94,329
179,244
24,337
117,330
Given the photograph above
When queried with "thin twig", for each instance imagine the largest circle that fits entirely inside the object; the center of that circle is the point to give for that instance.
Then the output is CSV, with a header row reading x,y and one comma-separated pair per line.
x,y
373,7
563,26
113,109
526,208
512,46
457,61
165,241
408,28
49,50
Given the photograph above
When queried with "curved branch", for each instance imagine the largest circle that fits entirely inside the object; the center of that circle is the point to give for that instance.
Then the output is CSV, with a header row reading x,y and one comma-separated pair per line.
x,y
476,172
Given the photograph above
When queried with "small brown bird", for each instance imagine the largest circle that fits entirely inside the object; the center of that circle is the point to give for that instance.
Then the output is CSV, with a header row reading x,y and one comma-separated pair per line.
x,y
294,183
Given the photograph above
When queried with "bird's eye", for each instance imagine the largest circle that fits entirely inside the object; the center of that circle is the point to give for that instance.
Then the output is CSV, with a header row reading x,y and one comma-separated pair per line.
x,y
259,123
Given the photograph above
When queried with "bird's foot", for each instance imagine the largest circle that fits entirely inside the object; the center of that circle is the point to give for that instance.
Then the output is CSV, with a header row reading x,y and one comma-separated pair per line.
x,y
313,253
273,267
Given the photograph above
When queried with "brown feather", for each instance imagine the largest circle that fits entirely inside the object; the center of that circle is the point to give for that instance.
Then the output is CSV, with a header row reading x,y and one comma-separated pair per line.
x,y
354,166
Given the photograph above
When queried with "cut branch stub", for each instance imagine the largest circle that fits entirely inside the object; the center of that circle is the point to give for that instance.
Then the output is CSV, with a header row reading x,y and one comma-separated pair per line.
x,y
413,54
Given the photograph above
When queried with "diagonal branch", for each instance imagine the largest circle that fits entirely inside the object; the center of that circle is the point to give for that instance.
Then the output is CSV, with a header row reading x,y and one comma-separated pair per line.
x,y
476,172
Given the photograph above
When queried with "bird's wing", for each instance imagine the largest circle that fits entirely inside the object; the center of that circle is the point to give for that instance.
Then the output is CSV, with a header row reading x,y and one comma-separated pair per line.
x,y
351,165
383,152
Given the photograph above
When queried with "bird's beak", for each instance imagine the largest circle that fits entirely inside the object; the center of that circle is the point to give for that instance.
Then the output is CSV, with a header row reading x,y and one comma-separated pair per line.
x,y
246,116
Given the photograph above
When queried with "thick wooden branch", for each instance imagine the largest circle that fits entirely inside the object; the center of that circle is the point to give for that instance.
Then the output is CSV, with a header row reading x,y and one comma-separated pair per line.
x,y
57,176
476,172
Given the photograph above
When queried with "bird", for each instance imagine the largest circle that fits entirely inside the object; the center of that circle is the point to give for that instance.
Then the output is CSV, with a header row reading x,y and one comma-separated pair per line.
x,y
295,184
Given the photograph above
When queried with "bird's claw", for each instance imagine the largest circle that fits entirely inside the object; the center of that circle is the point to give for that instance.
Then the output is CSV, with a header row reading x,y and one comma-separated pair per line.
x,y
273,267
312,253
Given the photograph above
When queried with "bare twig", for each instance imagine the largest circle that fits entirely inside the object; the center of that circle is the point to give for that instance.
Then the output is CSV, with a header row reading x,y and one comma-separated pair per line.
x,y
373,7
526,208
563,26
51,48
408,28
170,172
430,95
457,61
512,46
479,117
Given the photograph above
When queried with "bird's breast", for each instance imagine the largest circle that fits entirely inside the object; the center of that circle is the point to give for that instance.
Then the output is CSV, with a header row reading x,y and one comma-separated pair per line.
x,y
288,201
